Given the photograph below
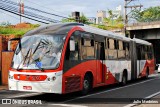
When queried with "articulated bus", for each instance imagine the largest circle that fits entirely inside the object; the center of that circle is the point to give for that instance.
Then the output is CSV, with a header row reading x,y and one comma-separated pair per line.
x,y
68,57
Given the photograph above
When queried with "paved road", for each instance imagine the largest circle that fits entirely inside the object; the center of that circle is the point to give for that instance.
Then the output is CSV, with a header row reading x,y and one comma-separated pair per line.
x,y
113,95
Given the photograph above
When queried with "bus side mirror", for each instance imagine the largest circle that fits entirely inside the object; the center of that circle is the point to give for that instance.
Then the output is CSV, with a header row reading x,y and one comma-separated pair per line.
x,y
72,45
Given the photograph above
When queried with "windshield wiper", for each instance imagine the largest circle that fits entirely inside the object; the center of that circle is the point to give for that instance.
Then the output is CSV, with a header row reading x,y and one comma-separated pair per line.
x,y
24,59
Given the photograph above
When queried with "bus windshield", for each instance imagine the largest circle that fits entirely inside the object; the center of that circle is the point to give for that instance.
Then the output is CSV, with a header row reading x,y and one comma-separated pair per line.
x,y
39,52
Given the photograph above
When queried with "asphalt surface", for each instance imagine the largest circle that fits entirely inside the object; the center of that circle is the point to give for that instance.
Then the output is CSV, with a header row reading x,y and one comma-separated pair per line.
x,y
112,95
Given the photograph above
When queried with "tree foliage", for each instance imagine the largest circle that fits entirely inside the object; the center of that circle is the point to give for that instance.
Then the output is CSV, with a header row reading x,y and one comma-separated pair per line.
x,y
113,21
83,19
147,15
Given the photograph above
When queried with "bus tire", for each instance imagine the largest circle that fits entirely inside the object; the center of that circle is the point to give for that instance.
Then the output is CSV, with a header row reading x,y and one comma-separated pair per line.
x,y
124,79
87,84
147,73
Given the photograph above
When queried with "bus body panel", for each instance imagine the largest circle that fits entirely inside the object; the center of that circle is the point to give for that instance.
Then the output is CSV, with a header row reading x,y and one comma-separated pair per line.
x,y
48,85
117,67
143,65
112,73
76,75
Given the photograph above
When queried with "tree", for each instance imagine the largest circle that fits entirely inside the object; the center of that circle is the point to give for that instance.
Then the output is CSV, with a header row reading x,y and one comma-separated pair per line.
x,y
147,15
83,19
69,19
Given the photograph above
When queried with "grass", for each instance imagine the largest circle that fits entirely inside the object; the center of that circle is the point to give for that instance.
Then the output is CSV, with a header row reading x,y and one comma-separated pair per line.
x,y
15,31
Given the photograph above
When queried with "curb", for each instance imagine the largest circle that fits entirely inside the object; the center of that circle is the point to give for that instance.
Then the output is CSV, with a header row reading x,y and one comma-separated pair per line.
x,y
3,87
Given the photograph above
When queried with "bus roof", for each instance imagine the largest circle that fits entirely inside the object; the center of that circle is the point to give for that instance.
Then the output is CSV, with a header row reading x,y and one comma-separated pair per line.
x,y
141,41
86,28
52,27
105,33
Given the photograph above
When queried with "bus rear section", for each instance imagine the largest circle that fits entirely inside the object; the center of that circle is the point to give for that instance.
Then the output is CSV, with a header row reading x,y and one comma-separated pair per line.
x,y
143,62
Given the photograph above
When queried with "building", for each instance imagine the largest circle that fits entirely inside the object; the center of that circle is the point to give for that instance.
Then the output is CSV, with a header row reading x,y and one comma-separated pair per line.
x,y
118,12
92,20
76,16
149,31
100,17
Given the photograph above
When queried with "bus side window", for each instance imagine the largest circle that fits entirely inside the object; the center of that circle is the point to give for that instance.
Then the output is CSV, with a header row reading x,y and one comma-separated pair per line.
x,y
112,51
73,55
138,49
106,48
149,52
142,52
127,50
121,50
146,52
88,51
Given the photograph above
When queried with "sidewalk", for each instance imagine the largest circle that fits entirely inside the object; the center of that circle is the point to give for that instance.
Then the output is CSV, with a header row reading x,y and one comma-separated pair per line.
x,y
3,87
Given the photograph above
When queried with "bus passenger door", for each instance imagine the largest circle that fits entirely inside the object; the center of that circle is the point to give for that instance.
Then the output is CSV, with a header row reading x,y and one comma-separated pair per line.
x,y
100,57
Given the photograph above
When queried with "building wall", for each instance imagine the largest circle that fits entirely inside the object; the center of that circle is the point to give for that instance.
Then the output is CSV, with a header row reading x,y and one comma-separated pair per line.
x,y
152,36
100,17
146,34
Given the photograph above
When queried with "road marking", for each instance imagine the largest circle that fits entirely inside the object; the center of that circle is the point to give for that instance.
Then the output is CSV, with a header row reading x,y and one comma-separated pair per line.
x,y
152,95
148,97
68,105
130,105
108,90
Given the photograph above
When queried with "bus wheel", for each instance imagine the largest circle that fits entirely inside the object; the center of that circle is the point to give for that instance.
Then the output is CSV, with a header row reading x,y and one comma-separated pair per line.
x,y
87,84
124,79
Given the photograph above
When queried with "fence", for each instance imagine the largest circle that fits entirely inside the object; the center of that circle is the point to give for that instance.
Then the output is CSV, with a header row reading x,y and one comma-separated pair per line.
x,y
6,62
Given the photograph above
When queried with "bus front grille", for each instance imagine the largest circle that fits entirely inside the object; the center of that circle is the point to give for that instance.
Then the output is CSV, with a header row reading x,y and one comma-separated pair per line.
x,y
72,83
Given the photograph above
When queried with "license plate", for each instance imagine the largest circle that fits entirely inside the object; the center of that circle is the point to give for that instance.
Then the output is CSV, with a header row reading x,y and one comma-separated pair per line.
x,y
27,87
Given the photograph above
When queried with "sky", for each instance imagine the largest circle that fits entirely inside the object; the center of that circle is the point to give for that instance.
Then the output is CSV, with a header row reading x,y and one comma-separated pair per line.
x,y
65,7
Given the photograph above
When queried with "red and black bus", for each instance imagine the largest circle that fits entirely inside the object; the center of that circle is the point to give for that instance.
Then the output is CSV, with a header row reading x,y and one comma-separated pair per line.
x,y
68,57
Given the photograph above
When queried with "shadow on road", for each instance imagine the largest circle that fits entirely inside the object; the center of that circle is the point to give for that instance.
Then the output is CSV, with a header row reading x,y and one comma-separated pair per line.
x,y
57,98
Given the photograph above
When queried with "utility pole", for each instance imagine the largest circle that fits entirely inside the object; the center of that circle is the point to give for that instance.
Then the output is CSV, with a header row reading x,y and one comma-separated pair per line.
x,y
21,9
126,6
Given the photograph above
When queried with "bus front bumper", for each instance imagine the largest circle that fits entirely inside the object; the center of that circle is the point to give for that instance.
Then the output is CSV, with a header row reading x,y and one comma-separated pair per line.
x,y
36,86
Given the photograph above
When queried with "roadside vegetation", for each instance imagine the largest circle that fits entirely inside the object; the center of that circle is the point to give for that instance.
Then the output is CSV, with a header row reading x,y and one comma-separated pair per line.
x,y
17,30
110,23
147,15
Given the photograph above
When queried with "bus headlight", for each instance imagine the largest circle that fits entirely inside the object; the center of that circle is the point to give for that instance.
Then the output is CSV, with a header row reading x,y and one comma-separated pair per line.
x,y
48,79
10,77
53,78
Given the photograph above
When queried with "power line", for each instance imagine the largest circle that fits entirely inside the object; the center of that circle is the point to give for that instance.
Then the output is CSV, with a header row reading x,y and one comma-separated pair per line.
x,y
43,6
11,8
24,16
10,15
13,3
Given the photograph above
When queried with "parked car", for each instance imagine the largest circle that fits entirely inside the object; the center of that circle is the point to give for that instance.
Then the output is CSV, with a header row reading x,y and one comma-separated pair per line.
x,y
158,68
